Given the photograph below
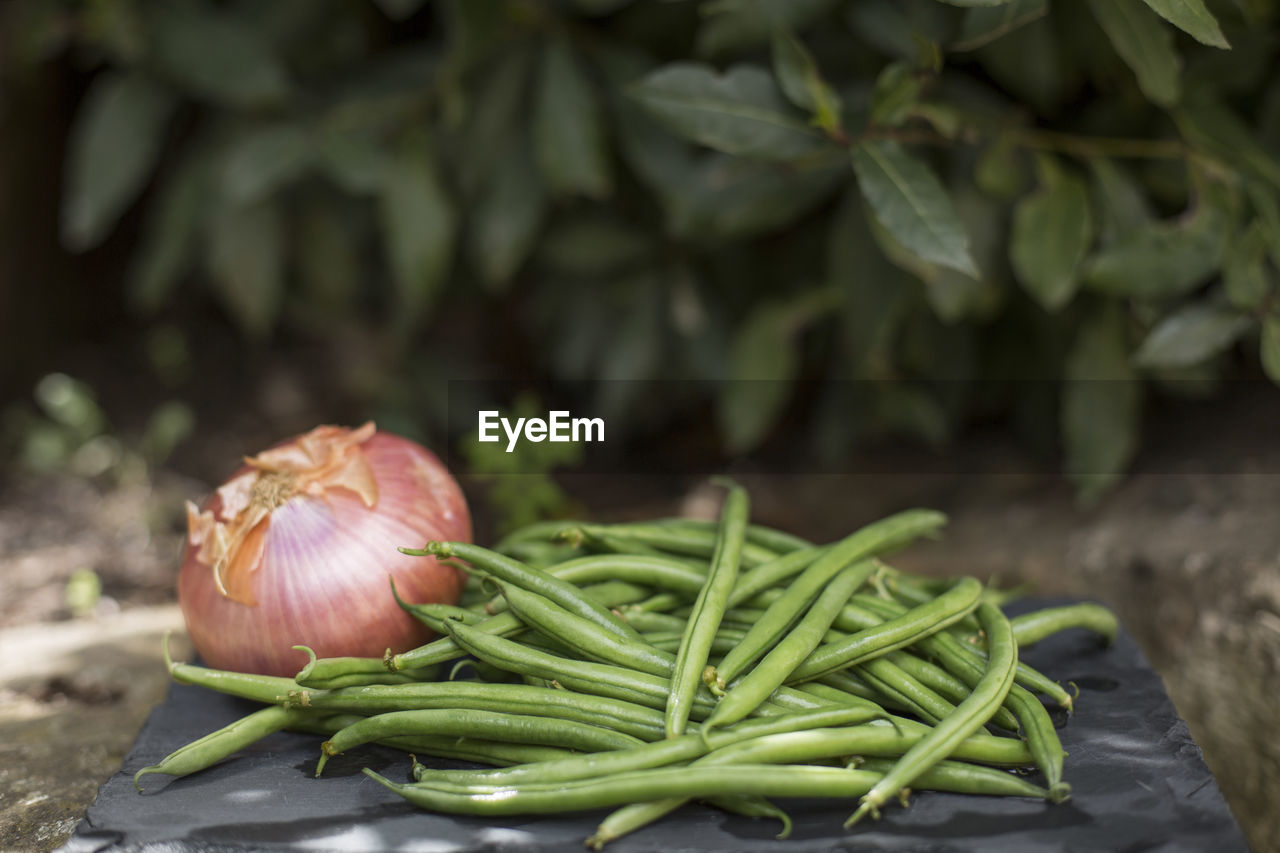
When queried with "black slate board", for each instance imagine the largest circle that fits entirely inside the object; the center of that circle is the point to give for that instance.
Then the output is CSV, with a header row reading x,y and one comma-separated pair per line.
x,y
1139,783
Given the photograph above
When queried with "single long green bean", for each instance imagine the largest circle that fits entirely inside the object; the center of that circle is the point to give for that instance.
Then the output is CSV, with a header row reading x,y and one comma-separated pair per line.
x,y
491,725
1031,628
968,718
656,754
259,688
628,717
893,634
695,645
764,780
227,740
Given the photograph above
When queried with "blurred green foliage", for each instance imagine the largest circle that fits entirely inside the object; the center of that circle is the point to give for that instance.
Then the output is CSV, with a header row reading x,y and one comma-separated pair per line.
x,y
66,431
758,189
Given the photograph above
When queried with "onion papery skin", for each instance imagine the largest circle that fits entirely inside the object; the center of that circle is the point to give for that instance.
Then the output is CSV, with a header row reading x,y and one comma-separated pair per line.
x,y
324,577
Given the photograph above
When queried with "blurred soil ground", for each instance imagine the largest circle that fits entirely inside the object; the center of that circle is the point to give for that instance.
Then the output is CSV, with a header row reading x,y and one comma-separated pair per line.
x,y
1187,550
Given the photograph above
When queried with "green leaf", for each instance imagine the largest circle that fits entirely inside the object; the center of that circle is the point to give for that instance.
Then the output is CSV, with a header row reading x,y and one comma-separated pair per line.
x,y
331,267
736,26
114,144
724,198
506,220
1101,405
211,54
984,25
876,293
763,360
264,159
905,30
803,84
1192,18
1191,335
1052,231
1213,128
1119,199
1146,46
741,112
568,128
356,162
1163,259
418,226
898,90
1001,171
496,121
593,246
173,222
911,205
1270,347
1245,276
245,258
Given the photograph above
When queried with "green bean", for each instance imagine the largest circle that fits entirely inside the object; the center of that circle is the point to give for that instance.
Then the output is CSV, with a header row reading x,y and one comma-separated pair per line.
x,y
1037,727
782,614
660,603
584,636
583,676
648,622
1031,628
891,696
539,531
646,756
331,673
667,573
765,780
961,778
259,688
746,694
513,728
768,575
434,615
477,750
611,593
227,740
480,751
968,718
501,624
635,816
888,673
946,685
1026,676
657,539
503,568
695,645
894,634
767,537
637,720
725,640
775,540
542,555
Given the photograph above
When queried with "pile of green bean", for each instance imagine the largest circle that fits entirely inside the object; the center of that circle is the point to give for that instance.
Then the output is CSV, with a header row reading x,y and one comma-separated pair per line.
x,y
643,665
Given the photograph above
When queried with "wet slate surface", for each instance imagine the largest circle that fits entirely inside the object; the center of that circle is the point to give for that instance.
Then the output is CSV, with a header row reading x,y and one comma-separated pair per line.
x,y
1139,783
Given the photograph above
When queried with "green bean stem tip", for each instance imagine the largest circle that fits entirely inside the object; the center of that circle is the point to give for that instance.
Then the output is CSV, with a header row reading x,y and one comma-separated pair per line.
x,y
154,768
1059,792
306,670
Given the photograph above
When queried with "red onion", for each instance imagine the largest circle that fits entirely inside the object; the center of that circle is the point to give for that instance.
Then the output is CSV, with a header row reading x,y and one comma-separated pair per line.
x,y
296,549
